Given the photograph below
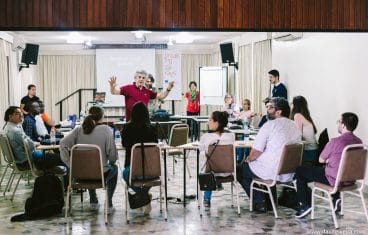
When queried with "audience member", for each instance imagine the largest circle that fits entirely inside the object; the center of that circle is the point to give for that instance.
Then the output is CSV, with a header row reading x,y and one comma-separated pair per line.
x,y
153,104
137,130
29,123
45,118
247,114
279,89
137,91
331,156
216,124
264,157
230,107
29,98
300,114
269,108
14,131
93,131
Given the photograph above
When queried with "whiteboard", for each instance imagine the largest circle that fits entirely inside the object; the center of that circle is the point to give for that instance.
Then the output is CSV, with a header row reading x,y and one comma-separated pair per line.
x,y
171,67
212,85
122,63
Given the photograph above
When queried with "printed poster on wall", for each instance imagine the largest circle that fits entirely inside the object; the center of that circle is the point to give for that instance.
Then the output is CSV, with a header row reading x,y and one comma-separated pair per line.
x,y
172,72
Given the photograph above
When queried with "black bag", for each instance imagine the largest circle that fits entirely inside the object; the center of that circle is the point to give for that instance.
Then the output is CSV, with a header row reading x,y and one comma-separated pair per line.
x,y
207,180
138,199
288,198
160,115
47,197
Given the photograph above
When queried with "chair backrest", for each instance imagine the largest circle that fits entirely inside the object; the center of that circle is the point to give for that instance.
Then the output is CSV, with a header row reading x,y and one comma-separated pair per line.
x,y
322,140
30,159
86,163
179,134
6,148
152,163
352,164
222,159
291,158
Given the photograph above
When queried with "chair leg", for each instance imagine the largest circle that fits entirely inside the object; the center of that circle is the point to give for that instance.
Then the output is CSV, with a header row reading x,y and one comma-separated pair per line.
x,y
237,196
12,180
332,211
4,173
106,205
342,203
201,203
251,197
16,186
68,201
232,195
312,212
165,205
8,184
190,175
363,202
160,198
173,164
126,205
272,201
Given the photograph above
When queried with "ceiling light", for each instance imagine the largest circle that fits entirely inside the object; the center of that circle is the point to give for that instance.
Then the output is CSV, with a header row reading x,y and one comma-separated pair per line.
x,y
170,42
75,37
88,42
140,33
184,37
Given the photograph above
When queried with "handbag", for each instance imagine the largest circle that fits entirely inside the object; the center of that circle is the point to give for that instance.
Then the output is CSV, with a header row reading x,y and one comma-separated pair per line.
x,y
140,198
207,180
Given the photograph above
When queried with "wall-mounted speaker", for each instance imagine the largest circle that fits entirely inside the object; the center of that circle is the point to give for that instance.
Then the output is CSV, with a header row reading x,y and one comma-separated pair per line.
x,y
30,54
227,54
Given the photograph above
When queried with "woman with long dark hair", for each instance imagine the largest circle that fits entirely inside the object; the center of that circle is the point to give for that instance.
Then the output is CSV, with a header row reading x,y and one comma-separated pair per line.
x,y
93,131
300,114
216,125
137,130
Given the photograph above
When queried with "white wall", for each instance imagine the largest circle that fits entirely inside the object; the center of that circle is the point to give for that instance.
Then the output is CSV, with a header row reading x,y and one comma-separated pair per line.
x,y
330,70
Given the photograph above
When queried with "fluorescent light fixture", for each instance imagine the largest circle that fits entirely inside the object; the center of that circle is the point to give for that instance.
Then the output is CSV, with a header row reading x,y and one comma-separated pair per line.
x,y
88,42
184,38
140,33
170,42
76,38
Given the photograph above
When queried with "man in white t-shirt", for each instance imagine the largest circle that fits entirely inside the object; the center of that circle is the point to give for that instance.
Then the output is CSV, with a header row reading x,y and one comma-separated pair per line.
x,y
264,157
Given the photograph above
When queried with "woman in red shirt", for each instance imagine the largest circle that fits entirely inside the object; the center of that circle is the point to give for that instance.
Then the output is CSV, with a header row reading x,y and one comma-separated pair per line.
x,y
192,106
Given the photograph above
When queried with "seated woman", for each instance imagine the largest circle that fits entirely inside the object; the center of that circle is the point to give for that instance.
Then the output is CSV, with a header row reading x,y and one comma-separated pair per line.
x,y
93,131
216,124
137,130
300,114
246,115
230,107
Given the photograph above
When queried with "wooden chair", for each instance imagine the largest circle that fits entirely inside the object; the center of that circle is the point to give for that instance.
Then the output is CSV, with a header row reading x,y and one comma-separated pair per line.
x,y
86,172
8,154
291,158
223,160
352,168
152,170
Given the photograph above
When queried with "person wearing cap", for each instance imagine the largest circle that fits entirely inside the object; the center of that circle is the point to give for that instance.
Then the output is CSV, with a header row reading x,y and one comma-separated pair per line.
x,y
279,89
265,154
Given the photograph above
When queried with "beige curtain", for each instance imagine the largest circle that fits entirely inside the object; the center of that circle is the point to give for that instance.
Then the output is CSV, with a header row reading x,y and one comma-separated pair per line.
x,y
61,75
5,75
245,88
261,65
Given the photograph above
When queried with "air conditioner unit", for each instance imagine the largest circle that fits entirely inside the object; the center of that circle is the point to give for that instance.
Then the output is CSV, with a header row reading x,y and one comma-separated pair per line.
x,y
18,44
286,36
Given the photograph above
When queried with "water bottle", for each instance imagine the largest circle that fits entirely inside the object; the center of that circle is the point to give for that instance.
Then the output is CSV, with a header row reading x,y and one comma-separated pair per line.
x,y
117,137
81,116
246,130
53,136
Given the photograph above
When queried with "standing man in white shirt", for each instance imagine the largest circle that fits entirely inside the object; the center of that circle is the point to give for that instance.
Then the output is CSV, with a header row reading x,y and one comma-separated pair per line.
x,y
264,157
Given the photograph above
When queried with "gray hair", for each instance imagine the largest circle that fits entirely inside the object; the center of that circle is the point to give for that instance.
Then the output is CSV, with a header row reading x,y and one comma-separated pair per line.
x,y
141,72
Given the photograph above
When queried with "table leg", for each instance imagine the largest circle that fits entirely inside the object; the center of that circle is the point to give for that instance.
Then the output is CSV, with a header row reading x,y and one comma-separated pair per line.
x,y
165,172
197,170
185,157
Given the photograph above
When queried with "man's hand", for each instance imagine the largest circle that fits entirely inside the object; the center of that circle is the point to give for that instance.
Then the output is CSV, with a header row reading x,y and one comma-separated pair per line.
x,y
171,85
112,82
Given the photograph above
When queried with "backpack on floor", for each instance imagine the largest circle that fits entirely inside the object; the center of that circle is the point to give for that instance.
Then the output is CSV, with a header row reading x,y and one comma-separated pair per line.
x,y
47,197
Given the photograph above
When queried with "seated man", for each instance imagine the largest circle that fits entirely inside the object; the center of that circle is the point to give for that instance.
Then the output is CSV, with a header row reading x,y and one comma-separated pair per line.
x,y
14,131
265,117
265,154
29,124
330,155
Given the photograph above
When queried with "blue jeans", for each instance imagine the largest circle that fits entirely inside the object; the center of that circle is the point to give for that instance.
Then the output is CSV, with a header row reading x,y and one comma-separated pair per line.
x,y
245,177
125,174
310,157
111,178
207,195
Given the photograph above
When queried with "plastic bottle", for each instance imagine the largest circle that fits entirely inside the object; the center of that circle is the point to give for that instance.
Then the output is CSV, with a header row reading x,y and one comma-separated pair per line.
x,y
52,136
81,116
117,136
246,130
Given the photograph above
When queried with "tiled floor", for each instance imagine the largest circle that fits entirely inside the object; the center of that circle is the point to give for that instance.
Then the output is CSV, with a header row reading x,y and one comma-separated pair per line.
x,y
220,218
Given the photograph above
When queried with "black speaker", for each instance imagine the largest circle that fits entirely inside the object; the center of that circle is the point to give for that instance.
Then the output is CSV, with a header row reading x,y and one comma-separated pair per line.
x,y
227,54
30,54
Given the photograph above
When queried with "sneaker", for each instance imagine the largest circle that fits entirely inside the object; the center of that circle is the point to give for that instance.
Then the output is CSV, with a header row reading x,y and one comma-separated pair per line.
x,y
303,211
220,187
94,206
260,207
206,203
110,210
337,205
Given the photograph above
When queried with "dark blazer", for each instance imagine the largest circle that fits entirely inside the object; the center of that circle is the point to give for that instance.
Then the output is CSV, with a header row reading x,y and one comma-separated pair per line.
x,y
132,134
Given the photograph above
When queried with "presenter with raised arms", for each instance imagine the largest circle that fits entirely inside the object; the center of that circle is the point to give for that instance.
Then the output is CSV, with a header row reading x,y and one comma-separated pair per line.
x,y
137,91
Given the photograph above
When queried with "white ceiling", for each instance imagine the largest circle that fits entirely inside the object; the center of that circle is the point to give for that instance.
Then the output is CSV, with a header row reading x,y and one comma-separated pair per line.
x,y
119,37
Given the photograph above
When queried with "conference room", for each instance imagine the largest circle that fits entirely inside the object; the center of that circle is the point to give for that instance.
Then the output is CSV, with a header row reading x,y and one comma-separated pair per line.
x,y
71,71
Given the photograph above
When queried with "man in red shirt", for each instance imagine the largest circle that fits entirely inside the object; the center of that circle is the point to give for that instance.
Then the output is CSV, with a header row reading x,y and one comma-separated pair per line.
x,y
137,91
